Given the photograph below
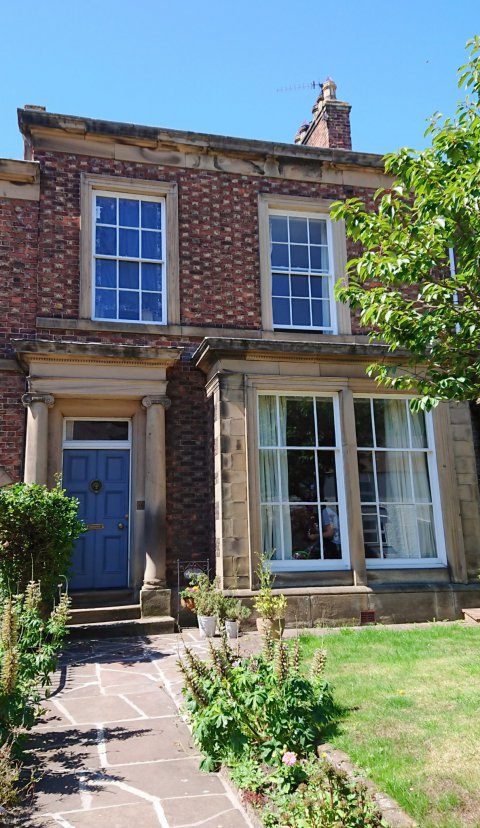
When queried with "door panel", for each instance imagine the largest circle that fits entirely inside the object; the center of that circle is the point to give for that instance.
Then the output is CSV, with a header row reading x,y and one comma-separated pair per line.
x,y
99,478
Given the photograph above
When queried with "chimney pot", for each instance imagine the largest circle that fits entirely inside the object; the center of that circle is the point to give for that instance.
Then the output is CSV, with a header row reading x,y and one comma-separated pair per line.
x,y
35,107
330,126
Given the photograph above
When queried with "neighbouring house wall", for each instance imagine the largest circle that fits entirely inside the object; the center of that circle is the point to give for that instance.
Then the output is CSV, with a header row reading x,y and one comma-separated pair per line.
x,y
18,308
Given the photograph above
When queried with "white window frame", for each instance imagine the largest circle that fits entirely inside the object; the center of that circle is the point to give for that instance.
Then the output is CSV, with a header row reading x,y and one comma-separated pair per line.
x,y
430,452
316,565
140,260
330,275
298,206
117,187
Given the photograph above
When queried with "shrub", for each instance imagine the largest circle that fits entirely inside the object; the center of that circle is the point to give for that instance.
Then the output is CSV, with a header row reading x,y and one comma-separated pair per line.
x,y
38,527
29,645
253,706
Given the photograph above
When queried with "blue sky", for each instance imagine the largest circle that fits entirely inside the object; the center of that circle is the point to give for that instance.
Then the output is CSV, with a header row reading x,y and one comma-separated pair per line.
x,y
216,66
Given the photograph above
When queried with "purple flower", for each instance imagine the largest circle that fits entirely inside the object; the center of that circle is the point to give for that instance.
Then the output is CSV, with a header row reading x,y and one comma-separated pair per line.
x,y
289,758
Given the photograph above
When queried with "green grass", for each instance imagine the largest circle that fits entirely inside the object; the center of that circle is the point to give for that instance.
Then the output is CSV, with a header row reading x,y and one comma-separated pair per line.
x,y
411,715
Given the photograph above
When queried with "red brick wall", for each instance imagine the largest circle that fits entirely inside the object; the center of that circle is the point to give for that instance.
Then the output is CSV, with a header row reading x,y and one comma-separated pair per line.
x,y
18,270
218,238
12,422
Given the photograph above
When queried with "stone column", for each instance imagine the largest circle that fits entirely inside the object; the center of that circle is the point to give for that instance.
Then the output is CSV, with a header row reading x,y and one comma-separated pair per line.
x,y
36,447
352,489
154,597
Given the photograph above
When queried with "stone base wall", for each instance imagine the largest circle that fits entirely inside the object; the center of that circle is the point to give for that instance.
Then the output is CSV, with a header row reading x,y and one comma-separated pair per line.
x,y
342,606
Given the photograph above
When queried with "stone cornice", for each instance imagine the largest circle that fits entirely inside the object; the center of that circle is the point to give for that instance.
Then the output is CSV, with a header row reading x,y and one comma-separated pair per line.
x,y
28,351
34,124
214,348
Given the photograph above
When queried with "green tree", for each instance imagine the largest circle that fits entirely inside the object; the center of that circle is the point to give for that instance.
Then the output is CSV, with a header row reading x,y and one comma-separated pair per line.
x,y
416,280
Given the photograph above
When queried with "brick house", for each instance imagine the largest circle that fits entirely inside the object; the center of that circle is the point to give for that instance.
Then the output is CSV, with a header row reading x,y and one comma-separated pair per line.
x,y
171,345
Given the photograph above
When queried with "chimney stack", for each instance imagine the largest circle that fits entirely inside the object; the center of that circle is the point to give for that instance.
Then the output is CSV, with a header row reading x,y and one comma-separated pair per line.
x,y
330,126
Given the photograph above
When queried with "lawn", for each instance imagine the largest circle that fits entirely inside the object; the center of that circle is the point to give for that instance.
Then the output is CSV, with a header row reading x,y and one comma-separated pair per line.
x,y
411,714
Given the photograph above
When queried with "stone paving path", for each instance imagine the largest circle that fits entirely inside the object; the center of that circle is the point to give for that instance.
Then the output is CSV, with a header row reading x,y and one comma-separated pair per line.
x,y
113,750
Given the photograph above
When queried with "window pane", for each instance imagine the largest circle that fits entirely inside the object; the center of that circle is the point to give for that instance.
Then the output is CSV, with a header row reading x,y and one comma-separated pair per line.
x,y
280,285
106,241
363,422
393,476
152,215
426,533
319,258
421,482
151,307
281,312
128,274
419,431
128,305
367,477
325,423
318,231
128,243
300,286
401,532
271,531
371,535
300,427
301,312
391,425
279,228
151,245
299,257
319,287
321,313
267,416
106,304
128,212
330,533
279,255
270,473
105,273
97,430
302,520
327,476
106,210
152,277
298,230
302,481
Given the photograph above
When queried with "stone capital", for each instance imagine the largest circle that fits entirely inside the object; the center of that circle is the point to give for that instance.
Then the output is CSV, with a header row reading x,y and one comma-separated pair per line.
x,y
30,398
147,402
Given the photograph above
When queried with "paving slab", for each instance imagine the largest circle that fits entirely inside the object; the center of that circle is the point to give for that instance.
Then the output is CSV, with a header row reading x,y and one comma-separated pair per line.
x,y
113,749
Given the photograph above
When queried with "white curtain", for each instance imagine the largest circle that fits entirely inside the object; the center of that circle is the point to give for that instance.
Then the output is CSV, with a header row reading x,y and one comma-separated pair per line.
x,y
409,528
274,477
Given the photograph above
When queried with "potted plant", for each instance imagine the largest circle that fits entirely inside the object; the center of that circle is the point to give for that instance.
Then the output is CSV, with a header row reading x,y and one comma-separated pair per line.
x,y
231,612
271,608
206,604
187,597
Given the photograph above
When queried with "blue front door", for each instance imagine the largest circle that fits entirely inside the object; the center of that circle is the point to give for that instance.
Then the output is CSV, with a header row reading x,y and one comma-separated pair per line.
x,y
99,479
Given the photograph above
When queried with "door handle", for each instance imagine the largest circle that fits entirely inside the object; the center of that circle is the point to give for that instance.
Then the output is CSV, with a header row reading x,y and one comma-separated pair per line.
x,y
120,526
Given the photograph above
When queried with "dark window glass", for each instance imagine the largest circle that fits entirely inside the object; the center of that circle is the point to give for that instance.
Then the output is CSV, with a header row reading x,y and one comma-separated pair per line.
x,y
302,485
106,210
300,424
281,311
279,228
363,422
97,430
152,215
325,423
106,273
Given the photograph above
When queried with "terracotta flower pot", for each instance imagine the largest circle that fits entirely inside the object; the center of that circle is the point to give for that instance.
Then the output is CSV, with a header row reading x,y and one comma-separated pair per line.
x,y
275,626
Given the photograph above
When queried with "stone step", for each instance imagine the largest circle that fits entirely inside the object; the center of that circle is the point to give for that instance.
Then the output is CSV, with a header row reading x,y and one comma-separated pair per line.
x,y
150,625
472,615
97,615
101,598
